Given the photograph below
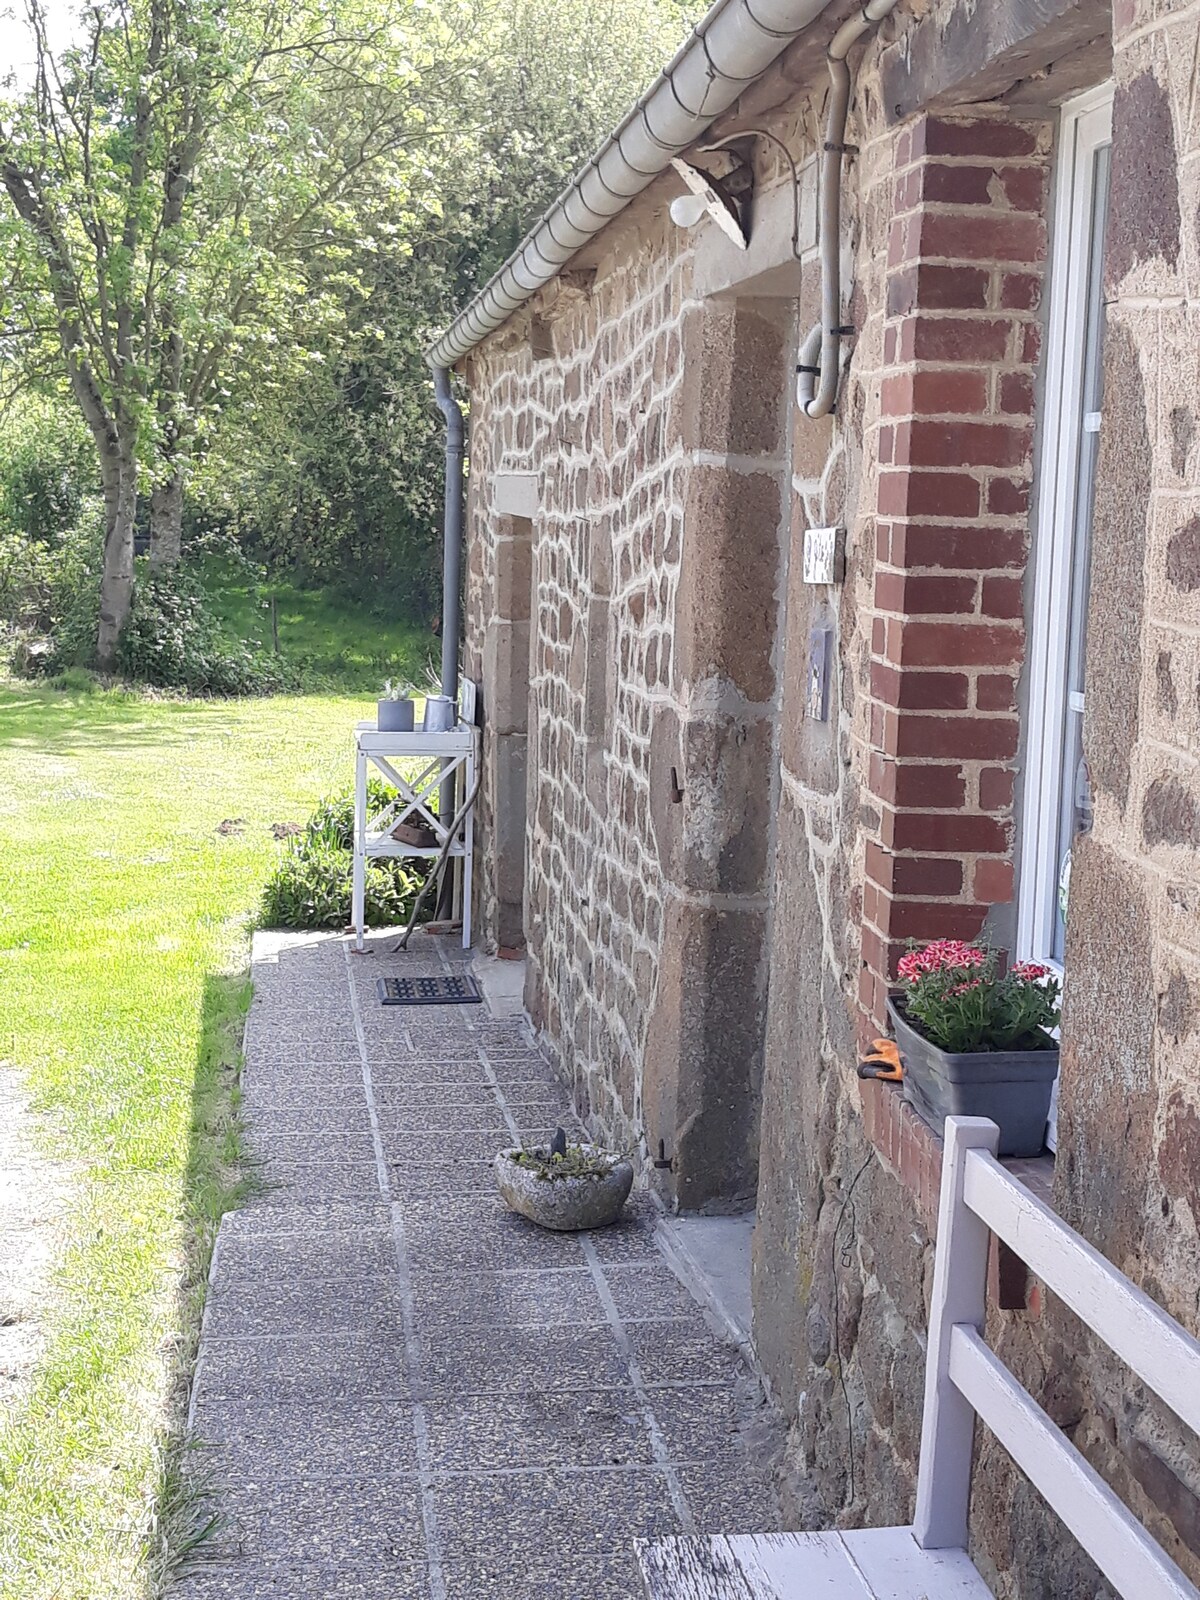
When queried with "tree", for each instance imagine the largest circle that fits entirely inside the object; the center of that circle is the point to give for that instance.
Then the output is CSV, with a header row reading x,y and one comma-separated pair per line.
x,y
187,187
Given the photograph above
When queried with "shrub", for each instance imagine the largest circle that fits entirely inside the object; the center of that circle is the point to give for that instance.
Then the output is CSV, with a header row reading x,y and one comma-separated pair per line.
x,y
173,640
957,997
312,883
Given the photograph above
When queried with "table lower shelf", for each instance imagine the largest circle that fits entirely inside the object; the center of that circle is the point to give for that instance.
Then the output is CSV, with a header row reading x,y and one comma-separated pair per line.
x,y
393,847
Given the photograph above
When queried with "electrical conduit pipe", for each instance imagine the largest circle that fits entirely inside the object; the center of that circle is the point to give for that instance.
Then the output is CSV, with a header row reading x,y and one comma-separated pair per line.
x,y
820,354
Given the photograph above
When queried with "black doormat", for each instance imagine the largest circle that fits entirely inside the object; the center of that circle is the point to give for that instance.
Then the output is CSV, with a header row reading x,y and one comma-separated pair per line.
x,y
462,991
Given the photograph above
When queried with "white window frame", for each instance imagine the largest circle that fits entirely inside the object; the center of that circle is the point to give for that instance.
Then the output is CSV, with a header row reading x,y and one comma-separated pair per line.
x,y
1086,127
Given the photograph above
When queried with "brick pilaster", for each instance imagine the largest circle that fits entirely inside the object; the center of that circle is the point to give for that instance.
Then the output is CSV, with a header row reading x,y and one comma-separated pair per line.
x,y
961,342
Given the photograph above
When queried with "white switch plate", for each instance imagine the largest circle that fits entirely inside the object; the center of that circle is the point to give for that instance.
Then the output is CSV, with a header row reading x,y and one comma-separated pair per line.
x,y
824,555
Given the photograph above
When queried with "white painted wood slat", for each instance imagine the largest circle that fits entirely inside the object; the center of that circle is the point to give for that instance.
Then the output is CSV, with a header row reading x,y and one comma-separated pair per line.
x,y
959,1295
798,1566
894,1567
691,1569
1128,1321
1133,1563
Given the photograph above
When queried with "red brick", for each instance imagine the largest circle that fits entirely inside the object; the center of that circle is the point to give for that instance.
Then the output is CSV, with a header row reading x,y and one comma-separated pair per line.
x,y
924,785
945,831
993,882
938,288
957,184
960,644
1016,393
961,444
995,692
974,339
878,635
970,236
887,445
931,494
1020,291
919,691
1008,497
969,738
936,136
909,875
1031,343
891,343
996,789
1024,187
948,391
1003,597
934,919
917,544
924,596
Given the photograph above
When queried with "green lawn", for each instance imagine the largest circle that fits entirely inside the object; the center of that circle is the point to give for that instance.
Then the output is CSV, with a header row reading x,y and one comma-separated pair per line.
x,y
124,921
359,646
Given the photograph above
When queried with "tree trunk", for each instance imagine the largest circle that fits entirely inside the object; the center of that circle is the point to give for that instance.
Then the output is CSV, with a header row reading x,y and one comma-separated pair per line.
x,y
116,579
166,522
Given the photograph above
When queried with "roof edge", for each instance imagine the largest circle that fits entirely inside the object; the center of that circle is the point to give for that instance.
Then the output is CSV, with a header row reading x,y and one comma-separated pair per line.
x,y
730,48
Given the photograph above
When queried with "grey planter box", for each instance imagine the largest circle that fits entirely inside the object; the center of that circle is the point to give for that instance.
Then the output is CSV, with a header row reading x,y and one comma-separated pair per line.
x,y
1012,1087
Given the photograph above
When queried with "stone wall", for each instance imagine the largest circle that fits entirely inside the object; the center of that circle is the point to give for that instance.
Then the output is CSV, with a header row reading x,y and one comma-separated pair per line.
x,y
717,884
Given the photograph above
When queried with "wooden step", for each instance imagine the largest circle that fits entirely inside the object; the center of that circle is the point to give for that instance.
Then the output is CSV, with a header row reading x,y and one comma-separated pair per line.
x,y
864,1564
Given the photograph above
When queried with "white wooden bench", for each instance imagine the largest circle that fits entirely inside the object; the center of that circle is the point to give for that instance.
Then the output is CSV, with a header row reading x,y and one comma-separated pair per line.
x,y
964,1380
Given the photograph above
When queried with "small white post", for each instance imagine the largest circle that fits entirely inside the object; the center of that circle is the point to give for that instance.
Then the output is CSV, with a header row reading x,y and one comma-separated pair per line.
x,y
358,906
959,1296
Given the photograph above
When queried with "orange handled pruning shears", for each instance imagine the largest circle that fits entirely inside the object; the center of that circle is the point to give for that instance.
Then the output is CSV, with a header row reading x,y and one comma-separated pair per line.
x,y
883,1062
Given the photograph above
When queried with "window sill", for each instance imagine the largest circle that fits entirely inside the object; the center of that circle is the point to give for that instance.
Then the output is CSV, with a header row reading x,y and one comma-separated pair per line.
x,y
912,1152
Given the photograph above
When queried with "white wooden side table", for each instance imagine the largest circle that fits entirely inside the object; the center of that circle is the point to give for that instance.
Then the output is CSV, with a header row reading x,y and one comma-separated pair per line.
x,y
455,754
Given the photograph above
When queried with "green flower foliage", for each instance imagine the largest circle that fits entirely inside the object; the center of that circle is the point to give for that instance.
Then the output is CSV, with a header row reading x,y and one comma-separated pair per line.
x,y
312,884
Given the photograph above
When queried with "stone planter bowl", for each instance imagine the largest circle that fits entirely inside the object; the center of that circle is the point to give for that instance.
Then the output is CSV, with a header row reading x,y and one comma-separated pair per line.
x,y
567,1205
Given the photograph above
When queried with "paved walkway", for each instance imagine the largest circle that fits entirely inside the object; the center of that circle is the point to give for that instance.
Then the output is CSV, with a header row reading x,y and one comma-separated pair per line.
x,y
406,1391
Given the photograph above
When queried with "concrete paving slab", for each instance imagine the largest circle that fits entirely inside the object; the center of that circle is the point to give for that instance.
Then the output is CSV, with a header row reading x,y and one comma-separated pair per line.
x,y
253,1580
348,1367
644,1293
312,1148
436,1177
474,1433
337,1522
548,1299
730,1497
520,1513
352,1256
272,1119
274,1217
263,1438
406,1390
458,1360
488,1245
304,1308
319,1180
609,1577
683,1353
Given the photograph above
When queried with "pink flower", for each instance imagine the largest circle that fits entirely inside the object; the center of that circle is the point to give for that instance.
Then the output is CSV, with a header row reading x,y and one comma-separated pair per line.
x,y
937,957
1030,971
964,988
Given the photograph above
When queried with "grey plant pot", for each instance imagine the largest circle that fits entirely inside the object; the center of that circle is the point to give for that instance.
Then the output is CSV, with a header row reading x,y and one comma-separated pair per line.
x,y
394,716
566,1205
1012,1087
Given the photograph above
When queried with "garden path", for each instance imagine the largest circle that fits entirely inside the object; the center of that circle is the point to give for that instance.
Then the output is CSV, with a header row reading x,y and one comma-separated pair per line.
x,y
406,1391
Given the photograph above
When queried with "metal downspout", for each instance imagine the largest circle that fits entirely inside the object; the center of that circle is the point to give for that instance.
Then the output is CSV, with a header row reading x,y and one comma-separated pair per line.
x,y
452,537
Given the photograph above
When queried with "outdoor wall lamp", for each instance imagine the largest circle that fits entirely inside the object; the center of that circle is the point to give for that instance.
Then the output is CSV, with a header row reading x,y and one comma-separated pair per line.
x,y
708,196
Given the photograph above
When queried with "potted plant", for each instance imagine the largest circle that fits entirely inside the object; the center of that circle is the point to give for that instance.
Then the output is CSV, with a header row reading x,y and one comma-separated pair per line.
x,y
394,713
976,1039
568,1187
